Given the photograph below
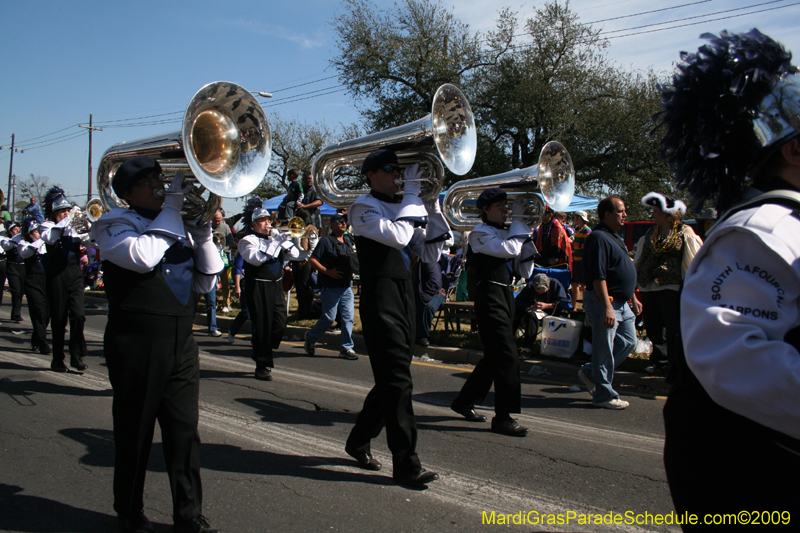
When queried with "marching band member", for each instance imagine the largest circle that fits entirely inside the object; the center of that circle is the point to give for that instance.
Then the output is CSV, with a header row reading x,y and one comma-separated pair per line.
x,y
732,135
64,277
155,267
264,252
32,250
15,268
387,233
496,251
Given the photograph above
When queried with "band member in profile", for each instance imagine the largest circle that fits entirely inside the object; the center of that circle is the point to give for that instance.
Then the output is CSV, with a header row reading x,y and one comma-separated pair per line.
x,y
155,267
32,250
264,252
387,232
64,278
15,268
496,250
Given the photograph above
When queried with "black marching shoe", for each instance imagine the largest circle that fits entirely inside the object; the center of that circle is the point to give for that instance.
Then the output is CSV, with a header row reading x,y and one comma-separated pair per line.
x,y
364,459
58,366
467,411
508,426
420,479
78,364
263,374
198,524
135,524
423,342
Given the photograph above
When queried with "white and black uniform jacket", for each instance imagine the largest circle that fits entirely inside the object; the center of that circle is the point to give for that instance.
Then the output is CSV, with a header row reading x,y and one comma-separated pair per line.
x,y
396,225
144,261
34,254
740,302
63,234
10,247
513,245
264,255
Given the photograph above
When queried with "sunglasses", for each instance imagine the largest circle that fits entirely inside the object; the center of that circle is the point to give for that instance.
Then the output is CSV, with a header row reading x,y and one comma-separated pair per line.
x,y
343,221
392,168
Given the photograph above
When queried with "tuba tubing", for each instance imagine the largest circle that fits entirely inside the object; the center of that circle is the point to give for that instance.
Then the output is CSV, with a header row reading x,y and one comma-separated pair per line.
x,y
223,149
551,182
444,137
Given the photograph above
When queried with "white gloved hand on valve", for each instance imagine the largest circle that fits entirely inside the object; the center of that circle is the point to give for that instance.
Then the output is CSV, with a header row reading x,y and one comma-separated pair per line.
x,y
199,230
411,180
518,208
173,196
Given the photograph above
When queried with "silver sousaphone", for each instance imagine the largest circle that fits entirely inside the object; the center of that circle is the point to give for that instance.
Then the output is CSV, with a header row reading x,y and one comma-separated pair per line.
x,y
223,150
551,181
444,137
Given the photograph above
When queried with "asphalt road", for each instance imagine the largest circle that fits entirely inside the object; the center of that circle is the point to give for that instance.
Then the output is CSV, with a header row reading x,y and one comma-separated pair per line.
x,y
273,452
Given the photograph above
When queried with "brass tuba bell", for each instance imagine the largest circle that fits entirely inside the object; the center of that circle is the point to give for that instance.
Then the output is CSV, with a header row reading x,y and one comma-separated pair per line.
x,y
446,136
551,181
223,150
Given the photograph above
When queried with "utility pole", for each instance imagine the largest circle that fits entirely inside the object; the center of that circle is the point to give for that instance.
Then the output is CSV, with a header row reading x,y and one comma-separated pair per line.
x,y
91,129
11,168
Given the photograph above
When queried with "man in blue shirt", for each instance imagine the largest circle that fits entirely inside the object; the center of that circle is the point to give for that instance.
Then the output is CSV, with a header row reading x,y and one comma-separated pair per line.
x,y
33,209
610,285
331,257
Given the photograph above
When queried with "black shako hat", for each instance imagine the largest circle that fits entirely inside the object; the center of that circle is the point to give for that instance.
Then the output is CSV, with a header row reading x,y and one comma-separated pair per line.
x,y
132,171
490,196
378,159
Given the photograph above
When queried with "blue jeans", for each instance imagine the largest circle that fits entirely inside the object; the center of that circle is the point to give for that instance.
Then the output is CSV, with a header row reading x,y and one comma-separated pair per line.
x,y
425,314
211,308
334,298
610,346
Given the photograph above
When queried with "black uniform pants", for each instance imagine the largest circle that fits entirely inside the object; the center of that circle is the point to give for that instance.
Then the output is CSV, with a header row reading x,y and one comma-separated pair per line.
x,y
35,292
154,370
266,304
494,310
3,272
720,462
16,281
388,320
660,312
65,302
301,275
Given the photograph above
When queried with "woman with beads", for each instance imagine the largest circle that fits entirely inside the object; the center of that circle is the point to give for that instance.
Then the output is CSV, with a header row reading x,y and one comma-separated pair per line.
x,y
663,256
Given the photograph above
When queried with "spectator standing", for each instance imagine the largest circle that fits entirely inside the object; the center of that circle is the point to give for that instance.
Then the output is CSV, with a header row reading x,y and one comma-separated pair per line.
x,y
301,268
310,202
732,418
610,285
580,219
237,272
34,210
5,216
334,258
223,234
155,266
552,241
663,256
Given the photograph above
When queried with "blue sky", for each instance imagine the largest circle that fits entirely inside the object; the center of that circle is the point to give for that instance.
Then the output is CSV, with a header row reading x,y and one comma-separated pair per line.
x,y
124,60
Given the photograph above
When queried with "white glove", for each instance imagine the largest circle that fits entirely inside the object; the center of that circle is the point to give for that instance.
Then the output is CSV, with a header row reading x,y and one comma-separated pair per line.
x,y
73,213
412,173
518,208
263,245
173,197
432,206
199,230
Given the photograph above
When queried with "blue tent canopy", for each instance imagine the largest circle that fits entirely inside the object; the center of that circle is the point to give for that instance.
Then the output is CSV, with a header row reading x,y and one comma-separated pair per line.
x,y
273,203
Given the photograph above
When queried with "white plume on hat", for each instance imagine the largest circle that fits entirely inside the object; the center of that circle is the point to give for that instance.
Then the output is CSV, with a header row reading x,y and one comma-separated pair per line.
x,y
665,203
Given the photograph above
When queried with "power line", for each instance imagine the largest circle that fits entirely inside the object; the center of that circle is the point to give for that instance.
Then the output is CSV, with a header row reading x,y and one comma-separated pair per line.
x,y
648,12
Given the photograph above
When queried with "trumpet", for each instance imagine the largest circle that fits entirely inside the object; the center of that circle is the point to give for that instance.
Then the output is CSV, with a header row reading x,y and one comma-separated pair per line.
x,y
296,228
550,182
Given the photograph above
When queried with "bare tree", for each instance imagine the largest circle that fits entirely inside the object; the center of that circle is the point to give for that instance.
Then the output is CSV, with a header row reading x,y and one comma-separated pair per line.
x,y
36,186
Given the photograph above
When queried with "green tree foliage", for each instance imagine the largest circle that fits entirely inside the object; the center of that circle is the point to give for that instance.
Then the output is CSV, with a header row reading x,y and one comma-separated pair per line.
x,y
545,78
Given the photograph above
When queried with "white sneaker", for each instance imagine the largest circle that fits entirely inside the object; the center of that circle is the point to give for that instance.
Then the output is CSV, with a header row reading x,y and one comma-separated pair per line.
x,y
616,403
216,333
231,338
226,309
588,383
